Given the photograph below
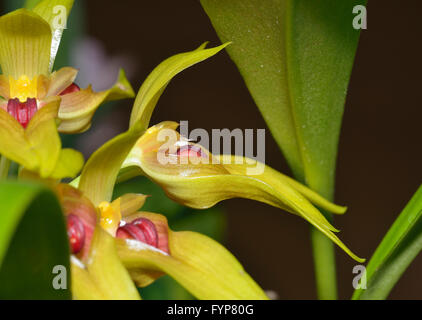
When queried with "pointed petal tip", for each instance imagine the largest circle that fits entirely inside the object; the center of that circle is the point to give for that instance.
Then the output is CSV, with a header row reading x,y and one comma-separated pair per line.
x,y
339,210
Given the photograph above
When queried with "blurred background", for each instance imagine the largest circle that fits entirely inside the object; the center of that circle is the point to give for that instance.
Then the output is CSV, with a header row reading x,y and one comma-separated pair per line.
x,y
379,155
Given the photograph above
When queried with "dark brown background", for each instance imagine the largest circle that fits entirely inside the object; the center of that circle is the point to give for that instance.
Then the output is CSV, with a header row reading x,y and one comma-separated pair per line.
x,y
380,150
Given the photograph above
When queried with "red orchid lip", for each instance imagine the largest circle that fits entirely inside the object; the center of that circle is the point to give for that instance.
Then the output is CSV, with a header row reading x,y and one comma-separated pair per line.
x,y
191,151
22,111
70,89
141,229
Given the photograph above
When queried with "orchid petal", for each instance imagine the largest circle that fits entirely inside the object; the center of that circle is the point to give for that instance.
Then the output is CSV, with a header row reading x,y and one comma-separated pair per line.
x,y
158,79
4,88
60,80
100,172
74,202
55,12
107,271
131,202
78,108
25,40
13,144
201,265
69,164
203,185
83,287
42,135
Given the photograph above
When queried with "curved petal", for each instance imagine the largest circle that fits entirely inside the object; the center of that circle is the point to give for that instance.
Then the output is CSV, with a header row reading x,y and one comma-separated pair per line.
x,y
69,164
212,180
25,40
13,143
83,286
102,168
74,202
159,78
60,80
131,202
55,12
43,137
103,272
78,108
200,264
4,87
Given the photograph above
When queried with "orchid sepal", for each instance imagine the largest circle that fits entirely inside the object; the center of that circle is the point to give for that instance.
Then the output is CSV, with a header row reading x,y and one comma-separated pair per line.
x,y
215,178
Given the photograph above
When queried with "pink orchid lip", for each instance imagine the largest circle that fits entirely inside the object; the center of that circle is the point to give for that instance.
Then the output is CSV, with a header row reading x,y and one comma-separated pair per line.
x,y
70,89
22,111
191,151
140,229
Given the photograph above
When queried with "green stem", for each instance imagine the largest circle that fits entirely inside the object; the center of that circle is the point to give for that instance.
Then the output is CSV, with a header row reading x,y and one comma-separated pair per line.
x,y
324,265
4,167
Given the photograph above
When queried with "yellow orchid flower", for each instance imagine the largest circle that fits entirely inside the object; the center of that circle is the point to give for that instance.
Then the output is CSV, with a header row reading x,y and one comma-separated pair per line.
x,y
147,248
194,177
38,147
35,103
145,244
97,272
28,43
197,185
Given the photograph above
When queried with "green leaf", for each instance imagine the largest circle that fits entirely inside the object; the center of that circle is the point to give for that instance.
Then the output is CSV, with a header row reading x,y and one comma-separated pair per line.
x,y
33,240
296,58
400,246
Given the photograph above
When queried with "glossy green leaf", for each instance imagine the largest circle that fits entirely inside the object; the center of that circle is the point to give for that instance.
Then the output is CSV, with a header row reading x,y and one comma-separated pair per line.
x,y
398,249
158,79
296,58
33,240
